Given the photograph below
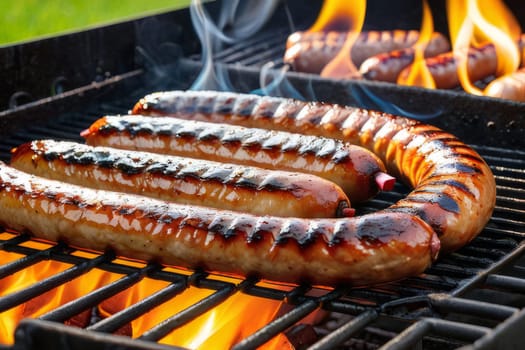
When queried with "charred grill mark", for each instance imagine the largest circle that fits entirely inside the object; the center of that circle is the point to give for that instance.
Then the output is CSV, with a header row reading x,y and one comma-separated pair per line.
x,y
450,183
457,168
442,199
227,134
292,229
133,163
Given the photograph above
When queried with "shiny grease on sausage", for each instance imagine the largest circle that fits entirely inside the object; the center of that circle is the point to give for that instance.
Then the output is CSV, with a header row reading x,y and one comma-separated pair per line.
x,y
184,180
454,189
352,168
371,249
388,65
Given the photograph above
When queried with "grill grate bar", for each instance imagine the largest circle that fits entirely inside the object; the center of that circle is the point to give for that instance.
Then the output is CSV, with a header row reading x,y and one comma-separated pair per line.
x,y
346,331
115,321
513,284
28,260
444,303
277,326
35,334
235,53
264,292
410,337
17,298
19,238
188,314
75,307
510,162
483,275
518,182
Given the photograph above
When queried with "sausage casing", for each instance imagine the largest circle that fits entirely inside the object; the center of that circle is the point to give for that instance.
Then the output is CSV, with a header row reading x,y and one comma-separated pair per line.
x,y
364,250
454,189
510,86
387,66
482,62
310,52
183,180
351,167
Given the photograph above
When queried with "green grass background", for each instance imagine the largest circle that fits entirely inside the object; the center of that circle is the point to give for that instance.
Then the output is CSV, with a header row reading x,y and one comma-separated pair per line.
x,y
22,20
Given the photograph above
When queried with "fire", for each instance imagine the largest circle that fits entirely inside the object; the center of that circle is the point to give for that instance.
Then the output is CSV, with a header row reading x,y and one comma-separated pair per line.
x,y
419,74
476,23
221,327
341,16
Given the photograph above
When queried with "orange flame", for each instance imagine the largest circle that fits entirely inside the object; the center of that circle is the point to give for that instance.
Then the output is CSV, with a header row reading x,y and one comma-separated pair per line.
x,y
341,16
474,23
221,327
419,74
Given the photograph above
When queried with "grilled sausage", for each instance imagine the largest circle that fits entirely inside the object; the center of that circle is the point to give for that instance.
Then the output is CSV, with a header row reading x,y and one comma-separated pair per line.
x,y
352,168
184,180
454,189
310,52
510,86
482,63
364,250
387,66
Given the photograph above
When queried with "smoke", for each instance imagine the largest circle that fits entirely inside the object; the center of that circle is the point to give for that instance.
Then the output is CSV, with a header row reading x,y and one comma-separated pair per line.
x,y
237,20
368,100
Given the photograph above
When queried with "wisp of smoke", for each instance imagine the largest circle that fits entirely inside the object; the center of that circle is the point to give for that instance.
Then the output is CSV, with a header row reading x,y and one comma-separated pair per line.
x,y
237,20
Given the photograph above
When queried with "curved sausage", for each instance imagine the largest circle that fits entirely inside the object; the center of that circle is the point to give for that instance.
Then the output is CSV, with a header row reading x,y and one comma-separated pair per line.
x,y
365,250
454,189
510,86
388,65
310,52
184,180
352,168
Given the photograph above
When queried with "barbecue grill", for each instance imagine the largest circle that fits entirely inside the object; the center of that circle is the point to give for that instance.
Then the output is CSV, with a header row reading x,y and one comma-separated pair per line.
x,y
473,298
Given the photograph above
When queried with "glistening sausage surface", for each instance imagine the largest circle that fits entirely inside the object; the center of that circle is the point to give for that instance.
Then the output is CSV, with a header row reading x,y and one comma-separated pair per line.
x,y
371,249
352,168
454,189
388,65
310,52
482,62
184,180
510,86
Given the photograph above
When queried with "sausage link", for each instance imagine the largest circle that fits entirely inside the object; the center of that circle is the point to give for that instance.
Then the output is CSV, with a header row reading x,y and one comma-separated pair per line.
x,y
310,52
350,167
184,180
388,65
482,63
360,251
510,86
454,189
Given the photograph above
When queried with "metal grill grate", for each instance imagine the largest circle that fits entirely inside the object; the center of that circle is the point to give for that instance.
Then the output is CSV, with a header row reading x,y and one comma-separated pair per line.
x,y
395,315
473,297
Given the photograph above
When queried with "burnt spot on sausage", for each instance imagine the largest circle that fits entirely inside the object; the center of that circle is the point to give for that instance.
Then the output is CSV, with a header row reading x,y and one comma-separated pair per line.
x,y
442,199
126,210
449,183
224,104
315,230
374,232
266,107
293,229
244,106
